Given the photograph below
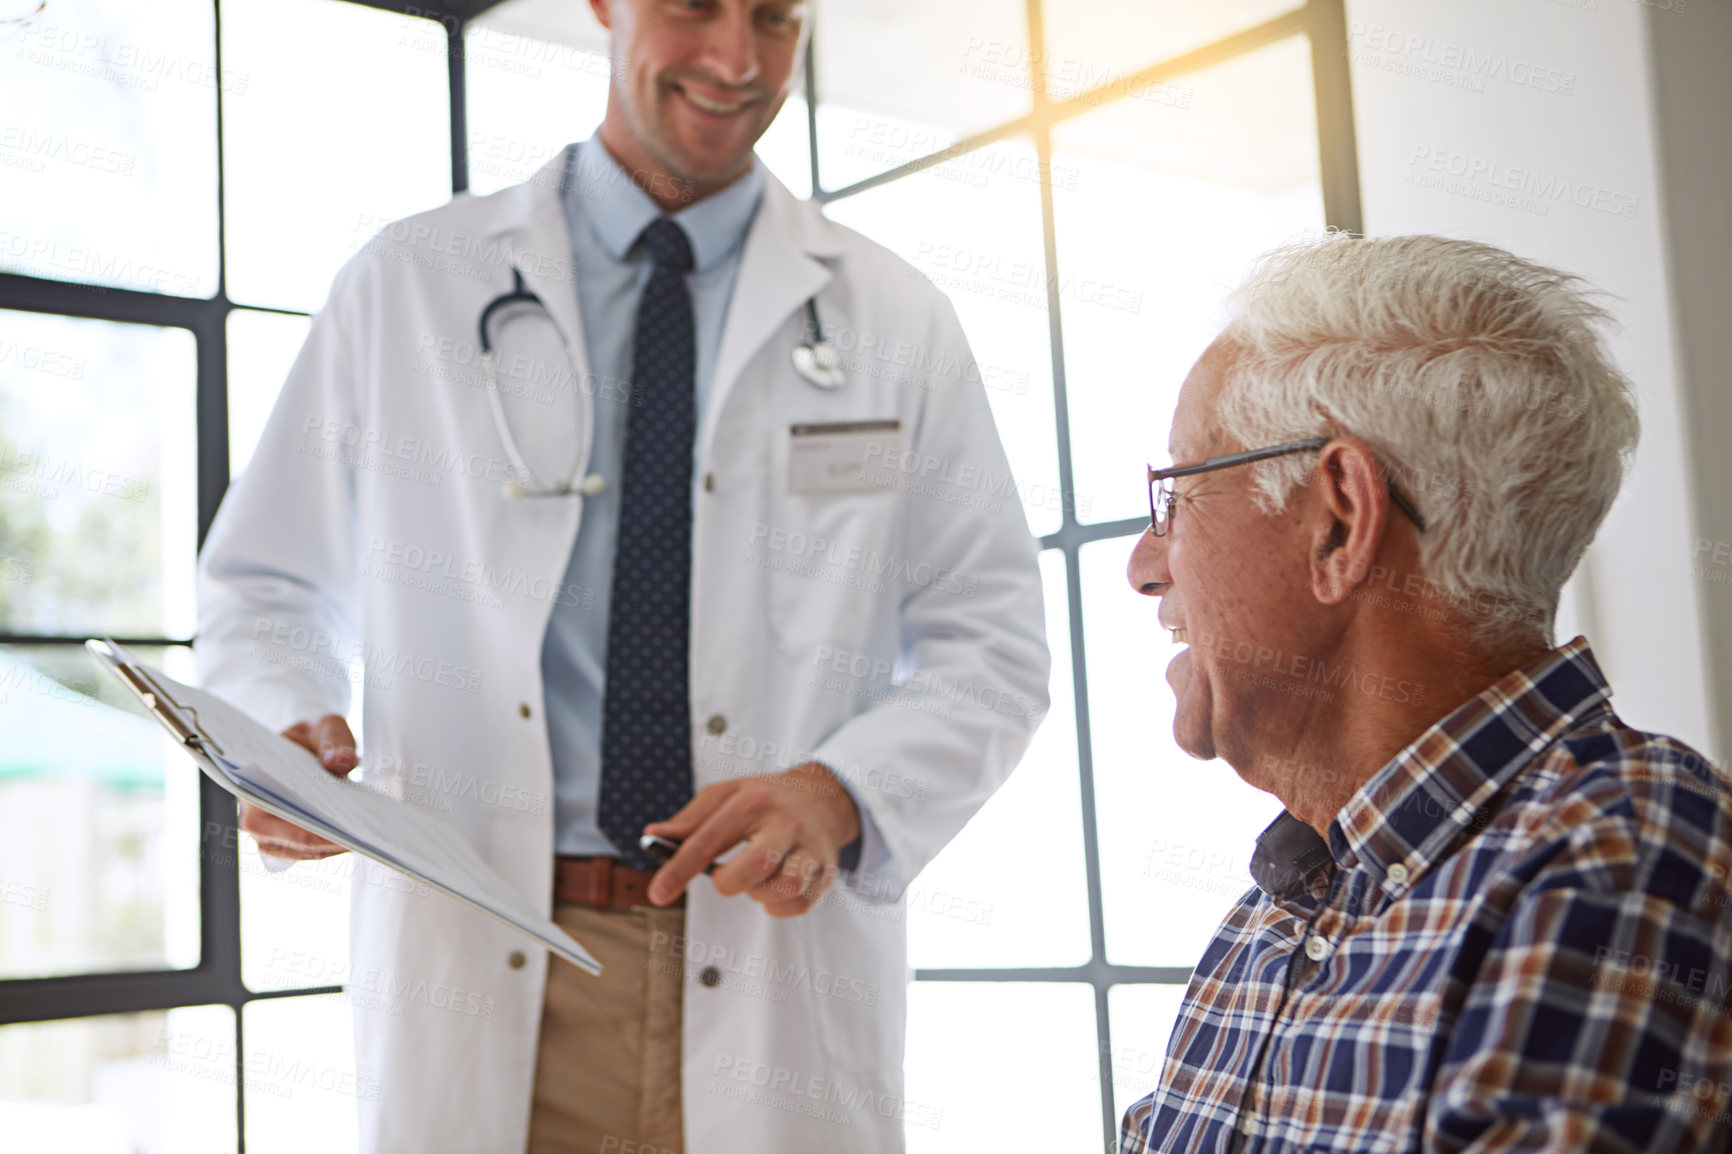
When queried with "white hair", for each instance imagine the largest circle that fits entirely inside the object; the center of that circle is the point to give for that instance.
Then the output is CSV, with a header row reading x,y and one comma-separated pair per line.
x,y
1479,379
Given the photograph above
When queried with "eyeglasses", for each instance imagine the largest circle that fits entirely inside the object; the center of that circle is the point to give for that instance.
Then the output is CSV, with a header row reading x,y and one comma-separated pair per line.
x,y
1162,499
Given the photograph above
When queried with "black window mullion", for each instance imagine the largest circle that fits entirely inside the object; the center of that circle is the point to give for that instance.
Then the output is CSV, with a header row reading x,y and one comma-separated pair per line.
x,y
100,302
812,112
79,639
219,896
456,57
1041,123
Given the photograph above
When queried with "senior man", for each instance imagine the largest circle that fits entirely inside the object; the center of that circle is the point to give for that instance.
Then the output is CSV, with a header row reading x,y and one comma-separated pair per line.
x,y
1492,915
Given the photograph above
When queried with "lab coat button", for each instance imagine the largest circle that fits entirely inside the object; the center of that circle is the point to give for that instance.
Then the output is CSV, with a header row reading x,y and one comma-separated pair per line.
x,y
710,977
717,725
523,711
709,482
516,960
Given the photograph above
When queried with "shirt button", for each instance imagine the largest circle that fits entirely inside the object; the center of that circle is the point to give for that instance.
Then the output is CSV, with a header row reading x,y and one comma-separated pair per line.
x,y
710,976
1246,1123
516,960
523,711
1397,873
593,485
1316,948
717,725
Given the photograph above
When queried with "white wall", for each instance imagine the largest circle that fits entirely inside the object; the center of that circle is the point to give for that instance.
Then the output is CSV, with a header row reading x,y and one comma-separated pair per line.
x,y
1538,118
1693,88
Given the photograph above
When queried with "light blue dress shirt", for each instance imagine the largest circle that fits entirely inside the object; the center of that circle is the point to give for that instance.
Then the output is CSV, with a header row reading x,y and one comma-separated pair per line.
x,y
606,213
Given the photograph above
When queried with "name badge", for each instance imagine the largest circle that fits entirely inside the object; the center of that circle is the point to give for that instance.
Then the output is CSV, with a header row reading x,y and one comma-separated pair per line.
x,y
847,457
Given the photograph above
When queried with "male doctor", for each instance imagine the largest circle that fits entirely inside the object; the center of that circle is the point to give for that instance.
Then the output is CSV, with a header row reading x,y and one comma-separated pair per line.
x,y
652,572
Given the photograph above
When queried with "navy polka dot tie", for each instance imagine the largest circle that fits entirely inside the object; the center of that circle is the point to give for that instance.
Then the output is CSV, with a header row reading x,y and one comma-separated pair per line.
x,y
646,742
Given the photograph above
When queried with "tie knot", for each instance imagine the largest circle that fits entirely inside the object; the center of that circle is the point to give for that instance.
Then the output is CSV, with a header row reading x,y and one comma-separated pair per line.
x,y
667,245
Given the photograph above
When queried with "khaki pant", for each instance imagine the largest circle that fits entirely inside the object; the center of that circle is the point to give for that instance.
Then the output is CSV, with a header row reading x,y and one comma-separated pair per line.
x,y
608,1070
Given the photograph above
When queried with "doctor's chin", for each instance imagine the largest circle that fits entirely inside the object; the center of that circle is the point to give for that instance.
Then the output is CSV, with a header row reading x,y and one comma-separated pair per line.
x,y
624,577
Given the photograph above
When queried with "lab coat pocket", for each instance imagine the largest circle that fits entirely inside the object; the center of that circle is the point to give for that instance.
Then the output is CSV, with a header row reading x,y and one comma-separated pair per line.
x,y
830,568
828,542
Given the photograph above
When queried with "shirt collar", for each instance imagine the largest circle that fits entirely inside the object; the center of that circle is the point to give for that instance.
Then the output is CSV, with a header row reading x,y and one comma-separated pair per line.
x,y
1415,809
618,211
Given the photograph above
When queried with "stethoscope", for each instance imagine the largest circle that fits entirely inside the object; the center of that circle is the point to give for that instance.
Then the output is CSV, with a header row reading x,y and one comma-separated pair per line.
x,y
525,483
815,359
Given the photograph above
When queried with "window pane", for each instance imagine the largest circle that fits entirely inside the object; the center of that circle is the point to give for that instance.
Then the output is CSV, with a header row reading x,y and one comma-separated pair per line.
x,y
294,922
301,1081
345,125
1237,167
1142,1020
98,477
108,145
1176,835
1009,1067
973,226
1094,44
99,821
262,348
1011,890
527,99
886,96
156,1083
786,148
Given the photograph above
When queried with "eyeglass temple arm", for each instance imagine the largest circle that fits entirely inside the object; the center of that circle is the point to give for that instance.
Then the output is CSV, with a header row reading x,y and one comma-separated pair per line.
x,y
1406,506
1255,455
1231,459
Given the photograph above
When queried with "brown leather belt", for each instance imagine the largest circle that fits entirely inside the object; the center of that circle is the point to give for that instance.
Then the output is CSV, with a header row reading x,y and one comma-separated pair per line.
x,y
602,883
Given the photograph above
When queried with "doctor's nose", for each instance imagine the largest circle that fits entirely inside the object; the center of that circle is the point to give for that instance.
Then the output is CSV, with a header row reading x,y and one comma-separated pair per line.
x,y
730,48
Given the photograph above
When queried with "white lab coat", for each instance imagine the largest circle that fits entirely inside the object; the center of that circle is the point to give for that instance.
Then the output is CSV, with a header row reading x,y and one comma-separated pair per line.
x,y
371,521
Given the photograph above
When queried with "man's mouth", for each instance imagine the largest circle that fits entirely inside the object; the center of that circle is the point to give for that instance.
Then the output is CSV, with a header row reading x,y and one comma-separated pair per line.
x,y
719,107
1181,637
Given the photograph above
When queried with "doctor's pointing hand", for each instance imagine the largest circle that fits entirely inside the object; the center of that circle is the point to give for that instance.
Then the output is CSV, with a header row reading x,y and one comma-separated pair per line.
x,y
794,824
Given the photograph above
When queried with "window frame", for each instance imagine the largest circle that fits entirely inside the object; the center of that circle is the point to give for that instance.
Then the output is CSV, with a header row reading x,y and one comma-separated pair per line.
x,y
1324,22
217,980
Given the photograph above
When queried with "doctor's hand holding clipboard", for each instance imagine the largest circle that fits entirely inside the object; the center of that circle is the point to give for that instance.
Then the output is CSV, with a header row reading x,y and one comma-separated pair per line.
x,y
330,741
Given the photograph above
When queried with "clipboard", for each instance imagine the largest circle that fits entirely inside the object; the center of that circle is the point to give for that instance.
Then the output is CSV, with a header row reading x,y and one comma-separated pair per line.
x,y
284,779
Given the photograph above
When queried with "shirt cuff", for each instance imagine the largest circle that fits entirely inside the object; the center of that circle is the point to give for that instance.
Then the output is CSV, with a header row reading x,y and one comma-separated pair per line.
x,y
275,865
867,853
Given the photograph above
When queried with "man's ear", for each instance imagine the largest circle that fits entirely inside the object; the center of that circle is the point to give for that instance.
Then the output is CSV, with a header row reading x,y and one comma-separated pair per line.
x,y
603,10
1351,509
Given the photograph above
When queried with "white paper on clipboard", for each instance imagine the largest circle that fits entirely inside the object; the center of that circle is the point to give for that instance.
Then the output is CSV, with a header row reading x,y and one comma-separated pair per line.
x,y
282,778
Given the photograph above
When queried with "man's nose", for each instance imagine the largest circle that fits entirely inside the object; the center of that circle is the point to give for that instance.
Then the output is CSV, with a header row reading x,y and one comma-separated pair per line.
x,y
730,52
1147,570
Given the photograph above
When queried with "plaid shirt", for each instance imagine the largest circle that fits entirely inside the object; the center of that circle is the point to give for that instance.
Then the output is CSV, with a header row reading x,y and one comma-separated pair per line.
x,y
1515,938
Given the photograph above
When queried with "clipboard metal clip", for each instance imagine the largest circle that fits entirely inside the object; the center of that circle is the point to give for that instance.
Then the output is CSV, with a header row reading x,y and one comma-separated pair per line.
x,y
181,720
